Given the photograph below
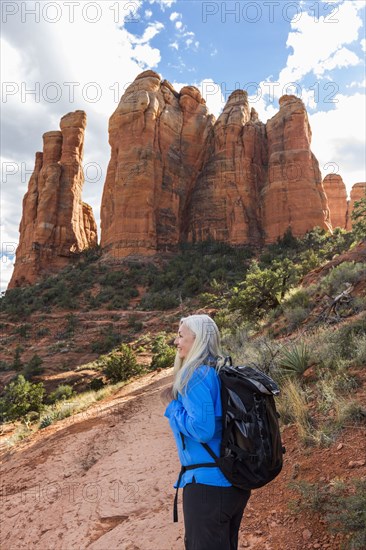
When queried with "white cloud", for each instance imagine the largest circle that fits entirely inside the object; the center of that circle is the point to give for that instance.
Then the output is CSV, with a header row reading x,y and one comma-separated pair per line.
x,y
175,15
178,25
341,58
335,142
363,44
146,56
164,4
355,84
148,14
174,45
212,94
214,52
151,30
189,42
316,44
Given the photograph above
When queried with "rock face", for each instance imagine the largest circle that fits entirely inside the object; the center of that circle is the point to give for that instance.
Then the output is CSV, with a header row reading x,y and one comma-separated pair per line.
x,y
336,192
225,202
157,138
358,192
176,175
294,195
56,223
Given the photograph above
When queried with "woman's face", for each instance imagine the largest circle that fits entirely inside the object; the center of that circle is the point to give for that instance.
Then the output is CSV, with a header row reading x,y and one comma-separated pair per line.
x,y
184,341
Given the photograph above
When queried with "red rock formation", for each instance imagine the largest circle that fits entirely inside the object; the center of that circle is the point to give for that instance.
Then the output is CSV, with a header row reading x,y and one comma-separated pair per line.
x,y
55,222
358,192
294,196
225,203
156,136
336,193
175,175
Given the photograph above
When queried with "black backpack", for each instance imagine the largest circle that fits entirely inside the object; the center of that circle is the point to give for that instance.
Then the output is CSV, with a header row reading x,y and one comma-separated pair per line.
x,y
251,452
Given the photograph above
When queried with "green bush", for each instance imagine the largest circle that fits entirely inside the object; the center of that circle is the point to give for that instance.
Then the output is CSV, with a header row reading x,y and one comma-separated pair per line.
x,y
23,330
62,392
42,331
21,397
163,354
347,338
109,340
263,289
17,363
121,365
359,219
134,324
160,300
343,506
33,367
46,421
346,272
96,384
295,316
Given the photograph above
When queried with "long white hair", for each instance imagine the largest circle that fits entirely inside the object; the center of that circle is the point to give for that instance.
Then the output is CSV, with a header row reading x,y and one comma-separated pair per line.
x,y
206,344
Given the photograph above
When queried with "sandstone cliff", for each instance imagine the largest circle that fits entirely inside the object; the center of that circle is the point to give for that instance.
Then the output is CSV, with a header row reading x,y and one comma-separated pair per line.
x,y
294,196
225,202
176,175
336,192
156,137
55,222
358,192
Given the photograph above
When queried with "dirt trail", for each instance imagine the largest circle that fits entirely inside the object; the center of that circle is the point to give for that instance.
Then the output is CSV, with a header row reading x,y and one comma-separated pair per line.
x,y
103,480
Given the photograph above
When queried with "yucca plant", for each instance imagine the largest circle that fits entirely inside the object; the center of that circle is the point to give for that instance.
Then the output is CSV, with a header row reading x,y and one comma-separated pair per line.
x,y
294,360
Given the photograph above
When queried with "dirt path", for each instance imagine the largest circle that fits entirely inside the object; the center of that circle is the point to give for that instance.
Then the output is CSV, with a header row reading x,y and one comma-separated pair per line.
x,y
103,480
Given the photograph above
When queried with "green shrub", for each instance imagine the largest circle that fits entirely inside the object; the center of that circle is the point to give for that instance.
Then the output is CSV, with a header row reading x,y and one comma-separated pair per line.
x,y
359,219
17,363
346,272
134,324
23,330
163,354
33,367
21,397
42,331
46,421
121,365
96,384
160,300
109,340
343,506
348,337
4,366
300,298
346,512
62,392
295,316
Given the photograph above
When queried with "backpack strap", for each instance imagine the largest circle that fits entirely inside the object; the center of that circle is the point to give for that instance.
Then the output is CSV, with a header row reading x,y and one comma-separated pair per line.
x,y
184,469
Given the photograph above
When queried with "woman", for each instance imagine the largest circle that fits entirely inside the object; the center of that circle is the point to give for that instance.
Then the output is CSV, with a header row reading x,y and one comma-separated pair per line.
x,y
212,506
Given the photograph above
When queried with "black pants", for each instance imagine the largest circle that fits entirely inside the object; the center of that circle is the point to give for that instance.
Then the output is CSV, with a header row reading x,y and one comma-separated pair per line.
x,y
212,516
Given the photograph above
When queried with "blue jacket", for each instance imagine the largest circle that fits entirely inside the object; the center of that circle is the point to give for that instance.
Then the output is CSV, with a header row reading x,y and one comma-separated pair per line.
x,y
196,417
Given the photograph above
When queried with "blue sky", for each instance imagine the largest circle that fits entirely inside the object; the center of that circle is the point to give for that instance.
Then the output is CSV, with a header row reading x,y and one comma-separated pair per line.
x,y
59,56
